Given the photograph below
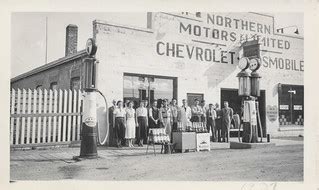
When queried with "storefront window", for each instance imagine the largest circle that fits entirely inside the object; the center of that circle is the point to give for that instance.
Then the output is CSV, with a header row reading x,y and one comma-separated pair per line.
x,y
291,105
53,85
75,83
150,88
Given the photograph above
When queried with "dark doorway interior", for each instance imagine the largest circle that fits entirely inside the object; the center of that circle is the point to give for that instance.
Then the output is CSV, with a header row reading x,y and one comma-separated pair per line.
x,y
192,96
231,95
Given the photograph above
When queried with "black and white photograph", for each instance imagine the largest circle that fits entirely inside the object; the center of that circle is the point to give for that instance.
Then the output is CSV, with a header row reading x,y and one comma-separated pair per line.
x,y
159,96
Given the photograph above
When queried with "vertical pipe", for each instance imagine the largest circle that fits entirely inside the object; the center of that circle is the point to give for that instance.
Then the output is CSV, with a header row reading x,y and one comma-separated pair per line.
x,y
46,40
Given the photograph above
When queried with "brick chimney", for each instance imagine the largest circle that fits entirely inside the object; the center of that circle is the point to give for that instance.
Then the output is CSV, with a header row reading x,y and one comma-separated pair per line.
x,y
71,39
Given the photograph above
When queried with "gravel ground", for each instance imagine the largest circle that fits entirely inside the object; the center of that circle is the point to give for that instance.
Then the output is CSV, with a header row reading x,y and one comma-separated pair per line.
x,y
278,163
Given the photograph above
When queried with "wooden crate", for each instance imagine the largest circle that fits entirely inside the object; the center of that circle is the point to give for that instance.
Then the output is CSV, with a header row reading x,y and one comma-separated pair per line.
x,y
184,140
202,141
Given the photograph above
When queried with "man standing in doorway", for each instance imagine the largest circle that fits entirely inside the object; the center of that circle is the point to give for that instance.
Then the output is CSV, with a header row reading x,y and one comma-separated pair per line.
x,y
227,115
204,118
211,115
186,114
197,112
111,131
218,122
174,110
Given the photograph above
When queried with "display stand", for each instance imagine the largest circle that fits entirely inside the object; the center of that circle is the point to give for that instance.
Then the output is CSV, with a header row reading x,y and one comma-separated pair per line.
x,y
185,141
202,141
158,136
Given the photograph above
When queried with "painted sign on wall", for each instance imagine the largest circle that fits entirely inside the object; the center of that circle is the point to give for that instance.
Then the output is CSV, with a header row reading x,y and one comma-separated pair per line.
x,y
217,37
272,112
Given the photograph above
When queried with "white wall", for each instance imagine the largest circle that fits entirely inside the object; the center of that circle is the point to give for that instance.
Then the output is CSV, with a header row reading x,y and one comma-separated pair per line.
x,y
133,50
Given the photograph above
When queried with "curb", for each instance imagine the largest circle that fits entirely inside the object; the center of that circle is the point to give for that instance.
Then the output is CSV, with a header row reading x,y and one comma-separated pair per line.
x,y
45,146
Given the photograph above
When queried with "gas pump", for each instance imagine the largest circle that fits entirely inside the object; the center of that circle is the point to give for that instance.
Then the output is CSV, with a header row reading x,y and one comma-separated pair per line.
x,y
89,119
249,90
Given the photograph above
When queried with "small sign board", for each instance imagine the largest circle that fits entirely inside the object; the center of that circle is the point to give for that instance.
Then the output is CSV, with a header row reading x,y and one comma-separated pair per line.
x,y
284,107
297,107
272,113
203,141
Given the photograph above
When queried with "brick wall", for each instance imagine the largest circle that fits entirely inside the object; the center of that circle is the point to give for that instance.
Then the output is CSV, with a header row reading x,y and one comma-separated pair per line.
x,y
61,74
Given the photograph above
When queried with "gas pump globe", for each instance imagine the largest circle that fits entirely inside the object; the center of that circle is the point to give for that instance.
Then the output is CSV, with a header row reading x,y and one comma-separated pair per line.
x,y
89,66
255,77
244,78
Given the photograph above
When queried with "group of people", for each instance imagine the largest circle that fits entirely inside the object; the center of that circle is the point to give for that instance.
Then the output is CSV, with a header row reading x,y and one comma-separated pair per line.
x,y
129,124
216,120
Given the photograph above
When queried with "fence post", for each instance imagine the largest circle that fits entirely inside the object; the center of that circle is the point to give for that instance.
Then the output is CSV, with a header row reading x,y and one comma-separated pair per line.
x,y
34,118
44,118
17,128
29,118
55,95
79,116
50,118
40,118
74,116
69,117
65,103
24,94
13,96
59,117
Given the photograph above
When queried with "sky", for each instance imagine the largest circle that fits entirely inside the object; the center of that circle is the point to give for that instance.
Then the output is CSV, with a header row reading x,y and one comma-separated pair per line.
x,y
28,33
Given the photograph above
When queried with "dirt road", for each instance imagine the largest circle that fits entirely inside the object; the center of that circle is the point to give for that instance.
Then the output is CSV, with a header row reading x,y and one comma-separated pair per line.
x,y
279,163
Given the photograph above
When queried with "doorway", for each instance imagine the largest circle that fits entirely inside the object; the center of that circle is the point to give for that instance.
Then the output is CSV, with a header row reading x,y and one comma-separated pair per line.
x,y
192,96
234,101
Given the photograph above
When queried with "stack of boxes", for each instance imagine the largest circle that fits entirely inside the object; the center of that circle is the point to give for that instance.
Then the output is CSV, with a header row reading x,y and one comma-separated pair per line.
x,y
299,120
283,120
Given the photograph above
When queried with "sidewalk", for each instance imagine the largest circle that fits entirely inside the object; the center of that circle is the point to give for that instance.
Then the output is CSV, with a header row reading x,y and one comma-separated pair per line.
x,y
283,162
66,154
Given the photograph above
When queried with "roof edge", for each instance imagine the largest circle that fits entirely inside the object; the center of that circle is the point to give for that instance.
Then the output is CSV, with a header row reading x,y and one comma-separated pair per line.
x,y
141,29
49,65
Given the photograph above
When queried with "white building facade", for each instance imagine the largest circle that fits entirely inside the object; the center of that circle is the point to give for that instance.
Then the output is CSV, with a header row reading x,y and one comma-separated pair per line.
x,y
185,56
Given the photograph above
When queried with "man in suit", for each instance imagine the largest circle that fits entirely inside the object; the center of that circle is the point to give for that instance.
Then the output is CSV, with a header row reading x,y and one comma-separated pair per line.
x,y
111,132
218,123
211,115
227,115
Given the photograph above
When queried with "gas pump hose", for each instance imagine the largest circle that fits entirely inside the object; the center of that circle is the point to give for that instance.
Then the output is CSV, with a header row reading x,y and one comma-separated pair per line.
x,y
251,126
102,142
259,121
239,131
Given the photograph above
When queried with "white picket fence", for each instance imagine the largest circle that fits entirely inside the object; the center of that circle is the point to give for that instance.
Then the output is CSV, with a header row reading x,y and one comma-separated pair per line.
x,y
44,116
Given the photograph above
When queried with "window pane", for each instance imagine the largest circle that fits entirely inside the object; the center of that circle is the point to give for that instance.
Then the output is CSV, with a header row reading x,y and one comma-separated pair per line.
x,y
75,83
142,87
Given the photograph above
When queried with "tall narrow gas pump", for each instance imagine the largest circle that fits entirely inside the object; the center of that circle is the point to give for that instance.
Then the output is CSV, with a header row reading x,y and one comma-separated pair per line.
x,y
89,118
249,90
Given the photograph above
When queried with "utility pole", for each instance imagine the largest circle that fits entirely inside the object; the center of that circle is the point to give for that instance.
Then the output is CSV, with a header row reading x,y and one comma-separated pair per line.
x,y
46,40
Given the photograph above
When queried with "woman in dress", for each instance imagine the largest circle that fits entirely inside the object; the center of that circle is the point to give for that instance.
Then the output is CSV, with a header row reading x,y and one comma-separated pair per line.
x,y
130,124
153,121
119,115
166,118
